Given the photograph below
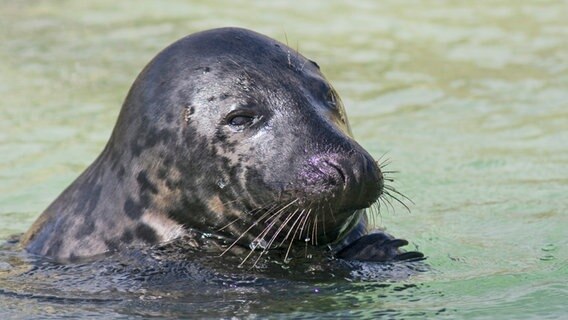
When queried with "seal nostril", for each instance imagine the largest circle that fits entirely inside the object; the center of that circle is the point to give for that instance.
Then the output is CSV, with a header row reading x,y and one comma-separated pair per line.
x,y
341,173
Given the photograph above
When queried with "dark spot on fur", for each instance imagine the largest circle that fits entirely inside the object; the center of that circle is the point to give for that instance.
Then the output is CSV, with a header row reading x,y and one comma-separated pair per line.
x,y
181,214
173,184
127,237
253,177
169,117
167,136
121,172
211,98
220,136
54,247
163,172
168,161
152,138
73,258
206,70
145,200
111,245
145,184
136,148
145,233
132,209
92,194
86,229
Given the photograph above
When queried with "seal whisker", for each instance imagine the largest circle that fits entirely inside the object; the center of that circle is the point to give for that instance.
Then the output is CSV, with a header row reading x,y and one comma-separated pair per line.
x,y
251,212
274,217
381,157
275,235
377,215
385,163
256,222
246,258
371,213
331,212
392,189
267,246
387,203
303,224
236,219
294,227
323,226
308,230
398,200
258,239
314,234
378,209
285,223
264,232
244,233
282,226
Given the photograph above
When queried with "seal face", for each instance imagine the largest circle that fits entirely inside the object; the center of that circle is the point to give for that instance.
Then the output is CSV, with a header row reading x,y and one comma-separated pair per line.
x,y
225,131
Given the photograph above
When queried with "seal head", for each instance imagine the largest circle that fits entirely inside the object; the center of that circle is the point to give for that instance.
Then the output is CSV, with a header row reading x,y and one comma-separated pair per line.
x,y
225,131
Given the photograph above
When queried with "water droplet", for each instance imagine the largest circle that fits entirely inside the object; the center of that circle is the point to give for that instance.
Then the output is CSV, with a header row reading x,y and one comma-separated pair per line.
x,y
221,183
258,244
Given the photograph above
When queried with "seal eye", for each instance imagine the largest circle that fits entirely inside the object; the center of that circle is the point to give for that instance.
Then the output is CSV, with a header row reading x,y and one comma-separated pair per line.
x,y
240,121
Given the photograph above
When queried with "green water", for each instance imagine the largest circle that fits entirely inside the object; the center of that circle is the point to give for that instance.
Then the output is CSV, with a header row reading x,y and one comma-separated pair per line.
x,y
468,99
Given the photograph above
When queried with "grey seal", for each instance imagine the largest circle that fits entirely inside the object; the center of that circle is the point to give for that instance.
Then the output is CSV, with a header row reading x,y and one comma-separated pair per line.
x,y
229,133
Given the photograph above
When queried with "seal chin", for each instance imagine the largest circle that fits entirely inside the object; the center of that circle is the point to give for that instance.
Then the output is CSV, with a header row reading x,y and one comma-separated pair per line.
x,y
283,225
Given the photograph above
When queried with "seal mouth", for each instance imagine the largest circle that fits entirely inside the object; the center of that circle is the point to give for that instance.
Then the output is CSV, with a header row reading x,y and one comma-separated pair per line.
x,y
280,227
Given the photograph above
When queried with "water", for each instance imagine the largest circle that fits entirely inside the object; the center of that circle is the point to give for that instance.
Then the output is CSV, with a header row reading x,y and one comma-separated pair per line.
x,y
468,100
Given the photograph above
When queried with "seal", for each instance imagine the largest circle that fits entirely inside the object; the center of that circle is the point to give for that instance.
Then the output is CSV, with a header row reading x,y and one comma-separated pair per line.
x,y
231,133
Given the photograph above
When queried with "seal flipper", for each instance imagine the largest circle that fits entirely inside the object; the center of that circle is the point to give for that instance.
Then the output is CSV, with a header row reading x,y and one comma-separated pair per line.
x,y
379,247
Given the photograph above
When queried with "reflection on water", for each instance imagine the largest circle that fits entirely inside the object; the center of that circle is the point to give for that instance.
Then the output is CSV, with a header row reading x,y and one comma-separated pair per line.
x,y
468,100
